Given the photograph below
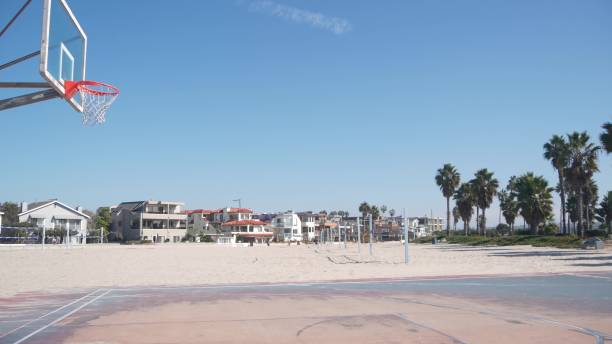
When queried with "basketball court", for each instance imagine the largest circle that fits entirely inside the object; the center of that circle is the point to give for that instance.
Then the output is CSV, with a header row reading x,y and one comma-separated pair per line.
x,y
502,309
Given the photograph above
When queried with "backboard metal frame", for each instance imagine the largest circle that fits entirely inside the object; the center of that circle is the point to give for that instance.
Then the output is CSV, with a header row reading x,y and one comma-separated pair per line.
x,y
44,51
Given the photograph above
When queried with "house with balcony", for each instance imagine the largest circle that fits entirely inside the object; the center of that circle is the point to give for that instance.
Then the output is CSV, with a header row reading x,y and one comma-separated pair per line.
x,y
308,220
287,227
231,214
200,221
252,231
53,214
158,221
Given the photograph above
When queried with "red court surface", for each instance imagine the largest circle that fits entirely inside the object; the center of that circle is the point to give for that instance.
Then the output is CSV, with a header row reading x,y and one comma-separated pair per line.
x,y
562,308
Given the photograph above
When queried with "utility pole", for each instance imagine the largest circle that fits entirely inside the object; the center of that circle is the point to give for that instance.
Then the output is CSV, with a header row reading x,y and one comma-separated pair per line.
x,y
406,257
359,234
370,238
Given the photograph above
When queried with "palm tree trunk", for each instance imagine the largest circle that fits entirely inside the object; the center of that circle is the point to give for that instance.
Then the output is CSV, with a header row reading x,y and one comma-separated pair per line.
x,y
466,227
562,189
484,224
448,216
580,212
477,218
587,217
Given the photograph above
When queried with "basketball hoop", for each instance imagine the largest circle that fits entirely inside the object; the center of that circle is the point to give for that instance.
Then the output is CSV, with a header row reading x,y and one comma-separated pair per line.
x,y
97,98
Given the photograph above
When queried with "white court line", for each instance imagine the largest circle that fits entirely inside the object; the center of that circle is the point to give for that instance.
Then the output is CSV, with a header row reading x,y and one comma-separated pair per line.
x,y
62,317
49,313
322,283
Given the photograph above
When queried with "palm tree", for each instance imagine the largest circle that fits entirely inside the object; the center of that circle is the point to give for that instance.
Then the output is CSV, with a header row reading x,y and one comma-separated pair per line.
x,y
509,207
606,137
448,179
534,198
556,150
383,210
364,209
485,187
465,200
456,217
582,164
572,210
375,212
591,197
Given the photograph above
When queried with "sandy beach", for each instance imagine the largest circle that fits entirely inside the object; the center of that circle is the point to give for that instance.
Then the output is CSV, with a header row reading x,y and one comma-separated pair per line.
x,y
58,268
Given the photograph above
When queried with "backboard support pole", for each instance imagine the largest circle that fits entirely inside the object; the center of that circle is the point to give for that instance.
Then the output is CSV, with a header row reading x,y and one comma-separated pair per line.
x,y
24,85
30,98
20,59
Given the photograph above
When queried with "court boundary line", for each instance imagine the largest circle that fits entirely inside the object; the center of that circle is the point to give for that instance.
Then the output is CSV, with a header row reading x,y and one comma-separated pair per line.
x,y
359,281
63,316
46,314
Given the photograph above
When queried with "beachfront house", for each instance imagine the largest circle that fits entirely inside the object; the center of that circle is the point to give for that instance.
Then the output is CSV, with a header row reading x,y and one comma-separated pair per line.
x,y
53,214
158,221
200,221
308,225
287,227
423,226
251,231
231,214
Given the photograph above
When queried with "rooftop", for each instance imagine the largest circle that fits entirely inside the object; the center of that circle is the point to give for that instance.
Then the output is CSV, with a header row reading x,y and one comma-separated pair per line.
x,y
244,223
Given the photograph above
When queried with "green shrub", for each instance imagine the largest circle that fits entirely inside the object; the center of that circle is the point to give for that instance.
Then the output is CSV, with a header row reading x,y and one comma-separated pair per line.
x,y
550,229
533,240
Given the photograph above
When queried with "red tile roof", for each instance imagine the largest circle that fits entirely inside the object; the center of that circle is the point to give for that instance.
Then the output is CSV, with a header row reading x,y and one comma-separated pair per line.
x,y
239,210
244,223
199,211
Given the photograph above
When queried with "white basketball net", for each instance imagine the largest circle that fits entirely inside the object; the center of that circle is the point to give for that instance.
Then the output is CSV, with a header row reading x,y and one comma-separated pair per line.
x,y
97,99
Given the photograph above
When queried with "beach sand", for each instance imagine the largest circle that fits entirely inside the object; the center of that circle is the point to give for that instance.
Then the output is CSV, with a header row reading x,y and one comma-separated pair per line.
x,y
57,268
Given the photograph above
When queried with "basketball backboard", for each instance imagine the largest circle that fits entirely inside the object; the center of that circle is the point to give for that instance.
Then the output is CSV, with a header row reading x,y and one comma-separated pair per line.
x,y
63,51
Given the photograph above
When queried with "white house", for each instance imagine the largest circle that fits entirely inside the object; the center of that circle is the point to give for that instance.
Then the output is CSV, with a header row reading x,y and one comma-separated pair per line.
x,y
250,230
288,227
308,225
53,214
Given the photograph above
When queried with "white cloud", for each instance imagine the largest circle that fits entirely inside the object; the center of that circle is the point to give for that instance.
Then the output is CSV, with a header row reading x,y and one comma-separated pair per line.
x,y
336,25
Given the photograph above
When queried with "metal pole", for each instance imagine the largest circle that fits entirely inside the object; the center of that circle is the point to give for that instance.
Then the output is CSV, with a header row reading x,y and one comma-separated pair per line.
x,y
44,233
345,238
406,257
358,234
28,99
370,238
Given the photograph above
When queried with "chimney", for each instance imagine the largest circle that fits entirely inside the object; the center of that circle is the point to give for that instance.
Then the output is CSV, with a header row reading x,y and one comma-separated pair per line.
x,y
79,209
24,206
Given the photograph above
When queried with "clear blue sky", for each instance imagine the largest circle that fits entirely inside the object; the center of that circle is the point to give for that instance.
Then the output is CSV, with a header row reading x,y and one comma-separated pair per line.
x,y
287,109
